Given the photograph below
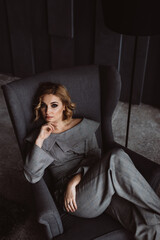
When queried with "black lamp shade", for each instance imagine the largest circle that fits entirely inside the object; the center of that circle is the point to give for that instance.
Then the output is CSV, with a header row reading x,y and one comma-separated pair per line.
x,y
132,17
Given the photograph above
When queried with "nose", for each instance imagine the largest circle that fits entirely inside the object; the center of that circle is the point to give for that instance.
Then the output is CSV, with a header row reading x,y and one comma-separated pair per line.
x,y
47,110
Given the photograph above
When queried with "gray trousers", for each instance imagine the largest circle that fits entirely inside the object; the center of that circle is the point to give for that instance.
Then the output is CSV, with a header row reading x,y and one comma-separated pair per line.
x,y
114,185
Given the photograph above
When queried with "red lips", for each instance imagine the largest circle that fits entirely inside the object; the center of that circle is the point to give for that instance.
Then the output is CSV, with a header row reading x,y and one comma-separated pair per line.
x,y
48,117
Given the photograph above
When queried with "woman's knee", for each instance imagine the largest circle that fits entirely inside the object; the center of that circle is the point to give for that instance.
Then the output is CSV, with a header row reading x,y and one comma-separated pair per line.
x,y
118,155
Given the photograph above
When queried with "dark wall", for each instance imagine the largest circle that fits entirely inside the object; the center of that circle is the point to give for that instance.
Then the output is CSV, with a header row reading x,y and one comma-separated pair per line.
x,y
118,50
72,31
5,47
40,35
26,37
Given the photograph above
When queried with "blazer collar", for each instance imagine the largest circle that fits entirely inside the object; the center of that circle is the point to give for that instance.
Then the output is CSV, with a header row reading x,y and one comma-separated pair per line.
x,y
68,139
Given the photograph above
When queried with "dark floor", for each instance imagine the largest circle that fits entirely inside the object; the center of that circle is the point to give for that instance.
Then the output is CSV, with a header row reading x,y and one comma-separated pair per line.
x,y
144,134
144,138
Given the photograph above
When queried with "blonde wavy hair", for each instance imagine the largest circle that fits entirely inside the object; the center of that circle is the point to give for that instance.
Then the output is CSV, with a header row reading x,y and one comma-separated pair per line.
x,y
59,91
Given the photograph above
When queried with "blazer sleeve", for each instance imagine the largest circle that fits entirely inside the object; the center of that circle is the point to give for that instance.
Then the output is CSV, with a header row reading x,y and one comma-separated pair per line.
x,y
37,160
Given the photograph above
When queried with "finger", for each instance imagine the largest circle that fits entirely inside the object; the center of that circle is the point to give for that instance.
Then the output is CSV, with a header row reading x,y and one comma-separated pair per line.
x,y
47,127
71,207
66,206
51,126
75,204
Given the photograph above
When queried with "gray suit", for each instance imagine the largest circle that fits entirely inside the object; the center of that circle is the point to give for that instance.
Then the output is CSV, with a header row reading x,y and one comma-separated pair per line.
x,y
110,183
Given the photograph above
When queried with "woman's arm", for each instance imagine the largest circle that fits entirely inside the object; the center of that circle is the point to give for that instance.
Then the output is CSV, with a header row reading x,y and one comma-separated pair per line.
x,y
70,194
92,154
37,160
45,132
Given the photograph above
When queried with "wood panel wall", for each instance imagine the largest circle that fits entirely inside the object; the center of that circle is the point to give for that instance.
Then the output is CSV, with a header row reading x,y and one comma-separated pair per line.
x,y
40,35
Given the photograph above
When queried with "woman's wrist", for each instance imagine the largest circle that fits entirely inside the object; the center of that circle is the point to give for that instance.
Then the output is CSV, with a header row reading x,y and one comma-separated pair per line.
x,y
75,180
39,142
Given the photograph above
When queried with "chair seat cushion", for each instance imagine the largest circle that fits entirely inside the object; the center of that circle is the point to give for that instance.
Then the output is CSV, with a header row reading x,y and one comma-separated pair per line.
x,y
102,227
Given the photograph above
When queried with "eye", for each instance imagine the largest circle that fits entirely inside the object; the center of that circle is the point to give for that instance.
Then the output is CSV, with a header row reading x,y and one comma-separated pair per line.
x,y
54,105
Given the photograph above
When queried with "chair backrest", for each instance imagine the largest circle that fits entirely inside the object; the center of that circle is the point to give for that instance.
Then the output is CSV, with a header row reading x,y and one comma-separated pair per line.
x,y
94,89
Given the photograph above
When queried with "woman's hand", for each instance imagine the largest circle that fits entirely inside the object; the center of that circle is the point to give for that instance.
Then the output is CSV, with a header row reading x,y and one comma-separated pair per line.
x,y
45,132
70,194
70,198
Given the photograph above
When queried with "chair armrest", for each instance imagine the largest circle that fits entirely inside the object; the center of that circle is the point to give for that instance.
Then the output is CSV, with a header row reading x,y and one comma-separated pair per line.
x,y
46,209
149,169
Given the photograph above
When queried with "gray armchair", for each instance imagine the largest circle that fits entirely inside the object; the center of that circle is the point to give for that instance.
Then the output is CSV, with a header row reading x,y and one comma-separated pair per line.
x,y
95,90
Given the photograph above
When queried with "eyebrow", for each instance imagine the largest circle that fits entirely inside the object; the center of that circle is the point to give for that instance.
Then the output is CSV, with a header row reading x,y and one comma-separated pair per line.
x,y
51,102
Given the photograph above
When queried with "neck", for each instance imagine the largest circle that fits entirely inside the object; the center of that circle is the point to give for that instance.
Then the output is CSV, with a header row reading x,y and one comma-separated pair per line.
x,y
61,125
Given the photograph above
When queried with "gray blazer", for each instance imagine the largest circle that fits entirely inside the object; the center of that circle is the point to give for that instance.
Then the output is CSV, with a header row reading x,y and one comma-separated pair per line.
x,y
65,154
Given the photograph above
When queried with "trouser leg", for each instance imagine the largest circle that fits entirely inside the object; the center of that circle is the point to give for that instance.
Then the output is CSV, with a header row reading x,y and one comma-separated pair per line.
x,y
135,205
94,193
131,218
131,185
117,174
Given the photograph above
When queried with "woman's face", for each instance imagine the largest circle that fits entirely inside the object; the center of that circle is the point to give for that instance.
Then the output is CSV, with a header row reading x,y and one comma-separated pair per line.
x,y
52,108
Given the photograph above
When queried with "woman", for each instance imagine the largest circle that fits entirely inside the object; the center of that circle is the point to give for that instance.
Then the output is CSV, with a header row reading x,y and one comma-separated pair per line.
x,y
87,184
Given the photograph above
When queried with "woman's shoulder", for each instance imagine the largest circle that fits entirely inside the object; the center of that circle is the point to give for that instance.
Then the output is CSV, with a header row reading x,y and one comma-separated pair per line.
x,y
92,122
91,125
75,137
74,122
85,128
84,124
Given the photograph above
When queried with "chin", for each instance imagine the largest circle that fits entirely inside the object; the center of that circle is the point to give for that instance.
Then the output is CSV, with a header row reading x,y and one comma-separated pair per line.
x,y
49,120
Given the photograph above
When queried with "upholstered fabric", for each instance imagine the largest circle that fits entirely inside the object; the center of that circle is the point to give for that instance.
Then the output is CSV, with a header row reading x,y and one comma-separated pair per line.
x,y
100,228
95,90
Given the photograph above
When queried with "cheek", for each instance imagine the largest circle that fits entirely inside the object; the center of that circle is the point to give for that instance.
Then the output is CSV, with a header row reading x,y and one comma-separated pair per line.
x,y
59,111
55,110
